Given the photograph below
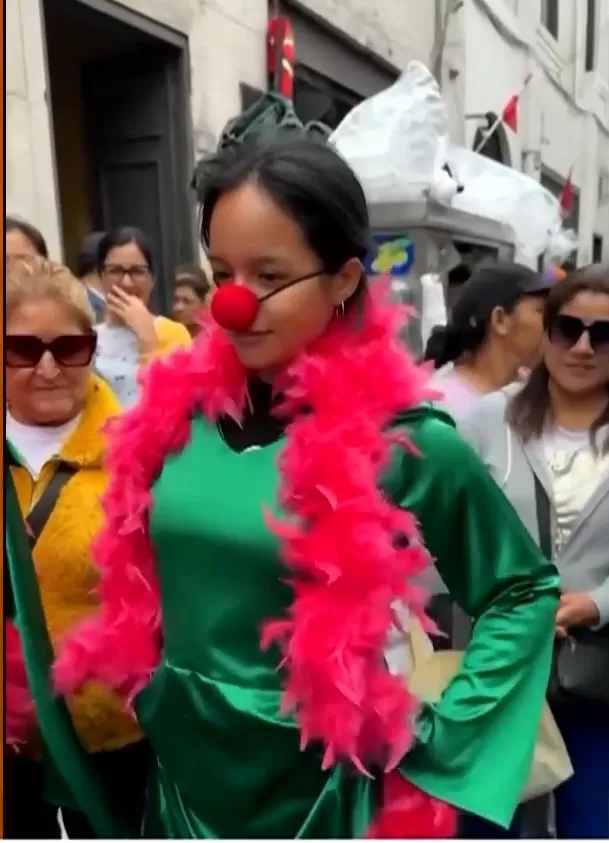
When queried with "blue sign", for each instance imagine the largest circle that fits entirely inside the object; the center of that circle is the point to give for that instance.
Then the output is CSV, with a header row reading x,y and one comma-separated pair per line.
x,y
393,255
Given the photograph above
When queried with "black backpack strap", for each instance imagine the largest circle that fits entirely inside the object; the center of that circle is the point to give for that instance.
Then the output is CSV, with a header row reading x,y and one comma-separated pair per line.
x,y
544,519
36,521
41,511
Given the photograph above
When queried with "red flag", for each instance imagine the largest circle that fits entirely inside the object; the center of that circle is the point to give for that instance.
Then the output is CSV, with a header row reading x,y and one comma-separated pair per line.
x,y
566,195
509,115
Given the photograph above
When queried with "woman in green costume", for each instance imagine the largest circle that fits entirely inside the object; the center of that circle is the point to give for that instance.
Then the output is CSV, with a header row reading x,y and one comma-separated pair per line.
x,y
274,496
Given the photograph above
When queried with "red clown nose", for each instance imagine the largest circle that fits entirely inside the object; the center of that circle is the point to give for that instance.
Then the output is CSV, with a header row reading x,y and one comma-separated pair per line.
x,y
234,307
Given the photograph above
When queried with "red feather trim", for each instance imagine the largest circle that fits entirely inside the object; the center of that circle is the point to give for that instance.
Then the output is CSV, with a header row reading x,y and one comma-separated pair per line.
x,y
19,708
340,535
409,813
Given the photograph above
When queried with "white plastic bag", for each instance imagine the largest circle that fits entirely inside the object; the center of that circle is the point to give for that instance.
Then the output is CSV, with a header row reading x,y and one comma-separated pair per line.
x,y
507,196
395,141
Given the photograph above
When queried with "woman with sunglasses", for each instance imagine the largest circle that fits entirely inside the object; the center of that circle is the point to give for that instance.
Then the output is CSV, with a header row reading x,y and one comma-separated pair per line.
x,y
131,335
547,444
55,412
262,524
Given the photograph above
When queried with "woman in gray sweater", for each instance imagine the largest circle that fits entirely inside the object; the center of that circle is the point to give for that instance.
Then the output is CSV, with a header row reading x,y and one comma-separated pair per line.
x,y
547,445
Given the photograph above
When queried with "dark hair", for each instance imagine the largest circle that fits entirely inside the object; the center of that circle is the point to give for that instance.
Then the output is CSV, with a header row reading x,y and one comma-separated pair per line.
x,y
30,231
528,410
86,259
122,237
308,180
191,275
491,285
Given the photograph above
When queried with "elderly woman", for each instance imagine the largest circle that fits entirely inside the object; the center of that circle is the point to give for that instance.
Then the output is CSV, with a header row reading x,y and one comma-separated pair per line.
x,y
55,411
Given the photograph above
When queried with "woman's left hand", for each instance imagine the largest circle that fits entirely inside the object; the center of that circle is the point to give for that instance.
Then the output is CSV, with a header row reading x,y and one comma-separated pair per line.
x,y
136,316
577,609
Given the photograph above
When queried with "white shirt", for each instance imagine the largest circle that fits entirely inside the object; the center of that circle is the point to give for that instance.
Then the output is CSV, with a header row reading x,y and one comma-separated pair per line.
x,y
38,444
117,361
458,394
576,472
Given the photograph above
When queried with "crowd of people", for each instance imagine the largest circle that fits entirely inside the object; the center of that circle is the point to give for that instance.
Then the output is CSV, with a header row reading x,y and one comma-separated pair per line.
x,y
225,512
544,434
117,272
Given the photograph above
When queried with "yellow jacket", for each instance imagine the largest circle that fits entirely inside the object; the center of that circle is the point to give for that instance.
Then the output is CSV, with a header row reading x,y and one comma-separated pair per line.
x,y
63,564
170,335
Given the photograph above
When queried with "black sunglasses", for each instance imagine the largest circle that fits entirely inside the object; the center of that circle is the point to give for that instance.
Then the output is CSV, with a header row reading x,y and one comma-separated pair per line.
x,y
25,351
567,330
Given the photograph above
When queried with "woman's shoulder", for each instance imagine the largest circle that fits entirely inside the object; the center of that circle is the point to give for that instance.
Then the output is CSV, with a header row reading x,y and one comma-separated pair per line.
x,y
436,446
485,423
490,407
86,446
101,397
171,334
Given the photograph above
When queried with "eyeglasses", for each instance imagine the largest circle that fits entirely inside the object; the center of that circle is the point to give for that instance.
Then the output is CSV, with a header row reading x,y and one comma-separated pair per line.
x,y
116,273
567,330
24,351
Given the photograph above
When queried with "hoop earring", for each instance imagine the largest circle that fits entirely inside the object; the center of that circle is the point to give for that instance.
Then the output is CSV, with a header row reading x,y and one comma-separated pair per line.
x,y
340,310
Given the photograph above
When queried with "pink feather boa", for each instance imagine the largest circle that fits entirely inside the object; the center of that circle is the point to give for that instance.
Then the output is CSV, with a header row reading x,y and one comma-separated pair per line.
x,y
19,708
339,542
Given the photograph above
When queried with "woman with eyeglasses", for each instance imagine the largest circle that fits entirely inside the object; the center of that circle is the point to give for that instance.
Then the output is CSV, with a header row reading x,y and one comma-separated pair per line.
x,y
55,411
547,444
130,335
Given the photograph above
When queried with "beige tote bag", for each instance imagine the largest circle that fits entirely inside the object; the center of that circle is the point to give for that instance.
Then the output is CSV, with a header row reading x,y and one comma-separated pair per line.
x,y
429,672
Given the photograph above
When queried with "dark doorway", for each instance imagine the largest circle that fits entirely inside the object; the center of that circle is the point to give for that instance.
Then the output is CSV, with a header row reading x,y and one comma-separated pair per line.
x,y
318,98
332,73
122,133
496,146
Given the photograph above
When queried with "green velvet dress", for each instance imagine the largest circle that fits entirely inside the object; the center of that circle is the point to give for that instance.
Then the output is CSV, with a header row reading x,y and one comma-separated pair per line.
x,y
228,763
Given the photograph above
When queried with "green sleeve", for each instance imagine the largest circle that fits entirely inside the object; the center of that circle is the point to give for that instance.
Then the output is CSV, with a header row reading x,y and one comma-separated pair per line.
x,y
476,743
12,457
65,758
